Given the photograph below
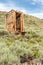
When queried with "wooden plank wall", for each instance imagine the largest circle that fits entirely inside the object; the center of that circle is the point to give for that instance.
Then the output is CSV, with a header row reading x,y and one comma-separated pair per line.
x,y
11,21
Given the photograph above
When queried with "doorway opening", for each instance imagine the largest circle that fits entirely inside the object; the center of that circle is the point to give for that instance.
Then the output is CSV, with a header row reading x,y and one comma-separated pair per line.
x,y
18,22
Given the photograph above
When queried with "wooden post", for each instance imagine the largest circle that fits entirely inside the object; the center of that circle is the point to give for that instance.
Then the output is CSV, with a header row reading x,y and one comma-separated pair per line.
x,y
22,23
14,21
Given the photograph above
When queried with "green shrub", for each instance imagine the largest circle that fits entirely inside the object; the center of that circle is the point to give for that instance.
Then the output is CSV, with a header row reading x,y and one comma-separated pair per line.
x,y
35,52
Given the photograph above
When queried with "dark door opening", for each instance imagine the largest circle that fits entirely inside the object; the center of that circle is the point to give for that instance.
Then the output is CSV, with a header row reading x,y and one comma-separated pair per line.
x,y
18,22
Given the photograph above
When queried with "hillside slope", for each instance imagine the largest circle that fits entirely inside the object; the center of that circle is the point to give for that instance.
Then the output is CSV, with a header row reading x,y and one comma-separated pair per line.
x,y
2,20
30,22
22,49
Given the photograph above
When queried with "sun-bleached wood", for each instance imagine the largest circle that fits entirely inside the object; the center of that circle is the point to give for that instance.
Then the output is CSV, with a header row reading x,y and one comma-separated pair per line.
x,y
15,21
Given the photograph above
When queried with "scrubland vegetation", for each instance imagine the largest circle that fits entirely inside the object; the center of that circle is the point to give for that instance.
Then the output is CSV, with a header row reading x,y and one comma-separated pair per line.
x,y
16,49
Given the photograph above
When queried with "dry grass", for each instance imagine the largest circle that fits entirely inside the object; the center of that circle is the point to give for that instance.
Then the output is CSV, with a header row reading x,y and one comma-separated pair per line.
x,y
13,46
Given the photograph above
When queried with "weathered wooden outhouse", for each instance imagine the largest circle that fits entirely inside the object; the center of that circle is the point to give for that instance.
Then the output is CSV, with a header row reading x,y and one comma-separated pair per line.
x,y
15,21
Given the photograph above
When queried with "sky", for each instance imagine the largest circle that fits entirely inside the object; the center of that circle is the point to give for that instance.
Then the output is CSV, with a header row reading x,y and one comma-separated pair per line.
x,y
31,7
